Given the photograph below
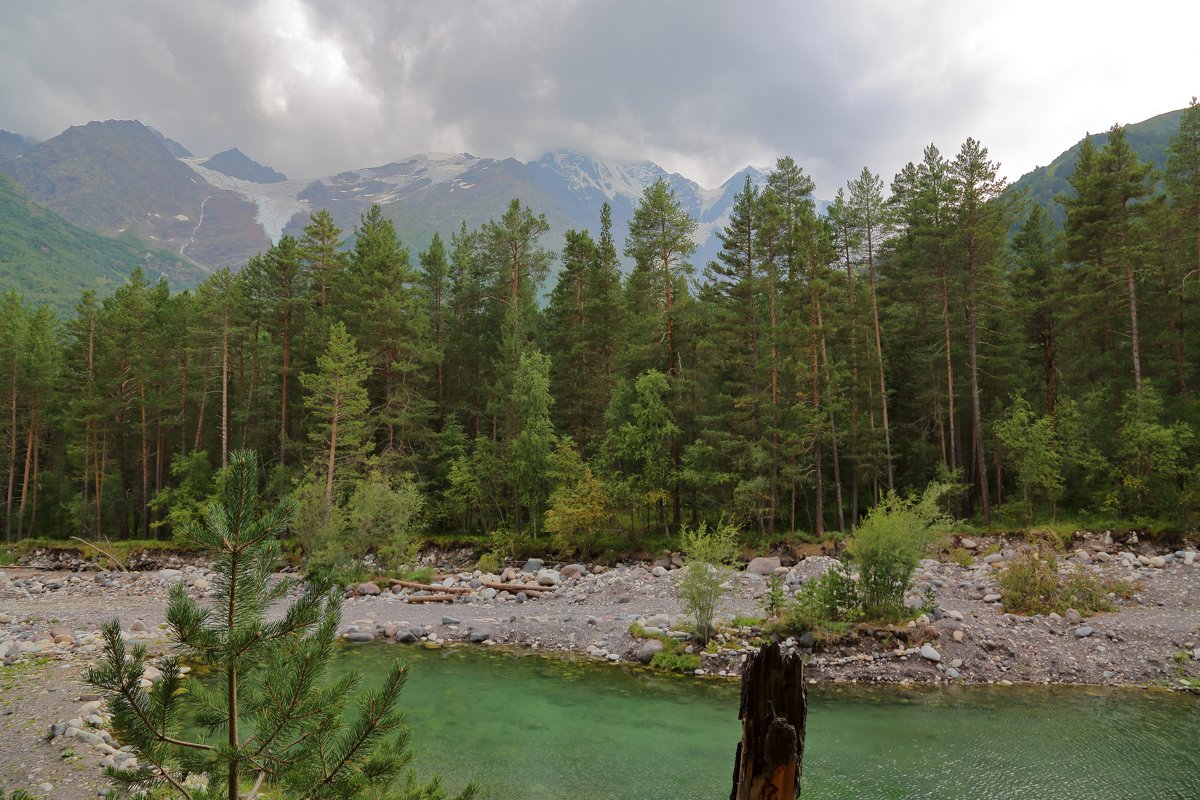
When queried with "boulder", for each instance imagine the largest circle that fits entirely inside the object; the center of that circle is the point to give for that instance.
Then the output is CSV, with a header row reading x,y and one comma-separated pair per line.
x,y
533,565
547,577
359,636
763,565
573,571
369,589
930,653
647,649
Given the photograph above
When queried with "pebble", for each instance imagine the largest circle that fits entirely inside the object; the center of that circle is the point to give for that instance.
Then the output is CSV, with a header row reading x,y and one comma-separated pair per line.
x,y
659,572
930,653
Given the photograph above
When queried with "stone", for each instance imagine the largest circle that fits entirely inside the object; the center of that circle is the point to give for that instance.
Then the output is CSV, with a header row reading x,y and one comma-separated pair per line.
x,y
521,597
201,585
953,674
360,636
488,593
930,653
763,565
647,650
1083,632
992,597
5,619
390,630
1103,557
138,626
406,637
448,620
1189,558
533,565
1073,617
480,635
992,558
957,636
1158,562
547,577
659,571
573,571
369,589
968,543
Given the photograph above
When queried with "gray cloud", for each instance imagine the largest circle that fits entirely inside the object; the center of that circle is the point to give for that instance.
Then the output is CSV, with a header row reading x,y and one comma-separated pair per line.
x,y
317,86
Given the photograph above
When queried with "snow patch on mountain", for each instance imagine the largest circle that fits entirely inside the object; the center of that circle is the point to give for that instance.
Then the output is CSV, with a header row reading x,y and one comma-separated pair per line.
x,y
277,203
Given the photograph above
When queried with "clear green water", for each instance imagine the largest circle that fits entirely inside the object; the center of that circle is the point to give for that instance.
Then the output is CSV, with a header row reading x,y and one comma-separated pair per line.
x,y
535,728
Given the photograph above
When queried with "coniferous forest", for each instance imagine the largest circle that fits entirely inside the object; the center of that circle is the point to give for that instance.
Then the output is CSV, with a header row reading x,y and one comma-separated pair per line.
x,y
934,327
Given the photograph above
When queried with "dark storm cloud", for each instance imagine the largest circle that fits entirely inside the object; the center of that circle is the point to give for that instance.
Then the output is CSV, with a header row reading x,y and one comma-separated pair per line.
x,y
701,87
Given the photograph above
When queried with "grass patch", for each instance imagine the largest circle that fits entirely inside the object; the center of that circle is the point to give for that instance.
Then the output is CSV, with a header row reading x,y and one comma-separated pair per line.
x,y
1032,584
6,557
746,621
961,556
672,658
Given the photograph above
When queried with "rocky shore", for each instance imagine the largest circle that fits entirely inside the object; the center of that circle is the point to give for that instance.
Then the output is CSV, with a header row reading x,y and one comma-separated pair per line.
x,y
49,631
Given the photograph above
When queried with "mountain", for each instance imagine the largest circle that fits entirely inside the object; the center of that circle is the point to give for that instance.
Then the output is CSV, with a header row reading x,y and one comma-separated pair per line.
x,y
122,178
173,147
119,176
432,192
237,164
12,146
1149,139
51,261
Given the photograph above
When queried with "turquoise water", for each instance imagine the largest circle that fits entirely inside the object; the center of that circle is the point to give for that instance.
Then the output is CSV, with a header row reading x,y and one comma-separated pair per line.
x,y
526,727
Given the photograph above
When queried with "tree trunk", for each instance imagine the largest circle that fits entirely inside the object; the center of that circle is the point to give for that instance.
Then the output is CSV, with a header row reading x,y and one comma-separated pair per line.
x,y
833,437
28,465
976,413
950,413
887,433
12,455
145,512
774,711
854,477
1133,328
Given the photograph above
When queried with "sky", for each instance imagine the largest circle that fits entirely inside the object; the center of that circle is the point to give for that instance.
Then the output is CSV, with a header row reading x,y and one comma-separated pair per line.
x,y
315,87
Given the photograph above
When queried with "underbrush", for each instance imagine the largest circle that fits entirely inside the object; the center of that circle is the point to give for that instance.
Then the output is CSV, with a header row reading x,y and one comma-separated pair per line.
x,y
1033,584
673,657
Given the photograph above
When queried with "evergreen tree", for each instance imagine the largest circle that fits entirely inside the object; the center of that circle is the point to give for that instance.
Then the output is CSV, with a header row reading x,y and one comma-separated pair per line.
x,y
337,403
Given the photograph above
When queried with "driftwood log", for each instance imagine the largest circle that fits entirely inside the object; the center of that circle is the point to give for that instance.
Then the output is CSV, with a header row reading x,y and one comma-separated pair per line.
x,y
428,587
516,587
773,712
431,598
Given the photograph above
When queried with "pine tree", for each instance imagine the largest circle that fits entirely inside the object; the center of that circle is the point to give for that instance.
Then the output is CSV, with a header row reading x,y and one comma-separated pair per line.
x,y
337,404
282,726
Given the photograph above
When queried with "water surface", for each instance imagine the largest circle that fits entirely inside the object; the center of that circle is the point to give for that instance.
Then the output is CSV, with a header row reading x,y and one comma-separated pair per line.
x,y
526,727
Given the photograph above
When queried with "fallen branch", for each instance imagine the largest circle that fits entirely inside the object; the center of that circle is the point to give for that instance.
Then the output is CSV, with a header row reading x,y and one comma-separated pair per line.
x,y
430,598
429,587
102,552
516,587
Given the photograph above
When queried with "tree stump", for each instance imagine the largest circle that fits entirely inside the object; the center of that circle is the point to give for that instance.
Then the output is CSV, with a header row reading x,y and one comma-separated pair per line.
x,y
773,713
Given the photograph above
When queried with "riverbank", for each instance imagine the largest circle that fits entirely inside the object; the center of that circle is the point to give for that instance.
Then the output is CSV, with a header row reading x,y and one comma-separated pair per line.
x,y
49,621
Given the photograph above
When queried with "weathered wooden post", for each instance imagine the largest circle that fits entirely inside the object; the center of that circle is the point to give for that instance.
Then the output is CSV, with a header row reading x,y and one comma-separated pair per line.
x,y
773,712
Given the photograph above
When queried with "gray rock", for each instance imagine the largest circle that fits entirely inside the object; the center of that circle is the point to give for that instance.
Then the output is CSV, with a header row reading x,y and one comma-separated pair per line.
x,y
968,543
992,597
930,653
448,620
533,565
573,571
406,637
359,636
369,589
522,597
647,650
480,635
57,729
659,571
763,565
488,593
953,674
547,577
138,626
1072,616
992,558
1083,632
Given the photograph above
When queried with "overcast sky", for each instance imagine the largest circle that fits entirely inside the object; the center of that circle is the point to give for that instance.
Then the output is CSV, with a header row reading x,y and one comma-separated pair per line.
x,y
313,87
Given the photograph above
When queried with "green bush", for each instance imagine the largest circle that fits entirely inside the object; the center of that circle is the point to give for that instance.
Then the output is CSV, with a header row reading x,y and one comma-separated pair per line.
x,y
1032,584
488,562
889,544
707,554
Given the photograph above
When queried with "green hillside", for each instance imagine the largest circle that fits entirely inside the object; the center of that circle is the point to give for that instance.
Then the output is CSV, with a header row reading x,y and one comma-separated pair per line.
x,y
50,261
1148,138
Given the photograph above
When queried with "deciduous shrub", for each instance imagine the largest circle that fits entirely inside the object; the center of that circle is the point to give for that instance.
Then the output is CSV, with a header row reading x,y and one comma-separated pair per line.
x,y
707,554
